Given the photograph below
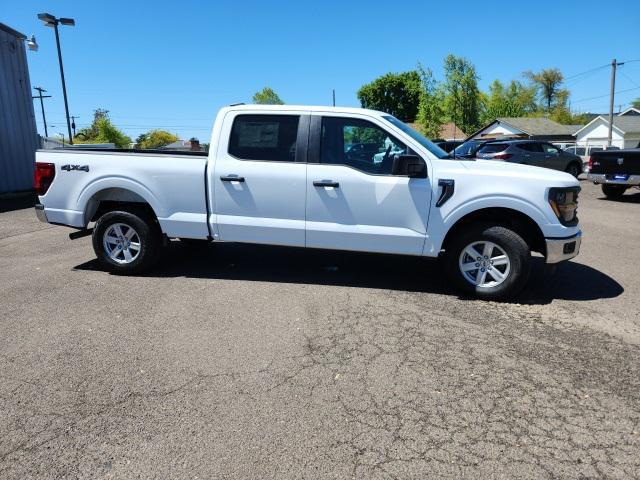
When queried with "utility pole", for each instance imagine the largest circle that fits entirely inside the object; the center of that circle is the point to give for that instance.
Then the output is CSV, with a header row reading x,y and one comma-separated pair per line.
x,y
334,97
614,65
40,96
73,123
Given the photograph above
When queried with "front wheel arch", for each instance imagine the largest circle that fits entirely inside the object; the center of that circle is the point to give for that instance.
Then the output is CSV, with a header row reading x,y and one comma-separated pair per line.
x,y
515,220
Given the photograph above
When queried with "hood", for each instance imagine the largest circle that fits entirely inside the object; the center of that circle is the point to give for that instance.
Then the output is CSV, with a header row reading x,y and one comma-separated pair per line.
x,y
519,171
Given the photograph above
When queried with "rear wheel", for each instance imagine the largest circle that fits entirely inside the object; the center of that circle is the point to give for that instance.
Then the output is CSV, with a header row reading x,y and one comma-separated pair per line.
x,y
613,191
126,243
574,169
492,262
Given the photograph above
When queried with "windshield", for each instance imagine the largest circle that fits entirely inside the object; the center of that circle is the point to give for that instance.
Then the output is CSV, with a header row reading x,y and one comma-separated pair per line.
x,y
418,137
467,148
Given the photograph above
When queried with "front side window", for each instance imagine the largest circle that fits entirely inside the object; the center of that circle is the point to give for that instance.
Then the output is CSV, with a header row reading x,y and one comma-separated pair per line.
x,y
358,144
417,136
550,149
264,137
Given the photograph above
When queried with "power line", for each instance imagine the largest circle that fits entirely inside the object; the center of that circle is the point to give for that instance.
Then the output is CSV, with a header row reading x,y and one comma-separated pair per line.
x,y
602,96
587,71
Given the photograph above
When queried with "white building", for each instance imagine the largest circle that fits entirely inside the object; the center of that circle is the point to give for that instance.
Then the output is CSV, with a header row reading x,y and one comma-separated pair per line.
x,y
534,128
625,133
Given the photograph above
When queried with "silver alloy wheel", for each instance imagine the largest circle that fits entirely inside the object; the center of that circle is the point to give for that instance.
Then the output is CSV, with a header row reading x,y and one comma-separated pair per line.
x,y
484,264
121,243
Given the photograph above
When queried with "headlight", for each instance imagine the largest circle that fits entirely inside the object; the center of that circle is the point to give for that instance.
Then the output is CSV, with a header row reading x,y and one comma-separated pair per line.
x,y
564,203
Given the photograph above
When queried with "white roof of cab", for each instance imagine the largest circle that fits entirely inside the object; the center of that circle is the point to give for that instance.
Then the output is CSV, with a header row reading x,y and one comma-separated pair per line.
x,y
312,108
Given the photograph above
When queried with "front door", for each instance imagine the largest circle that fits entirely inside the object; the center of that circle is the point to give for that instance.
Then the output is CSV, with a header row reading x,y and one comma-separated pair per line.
x,y
353,200
552,157
260,179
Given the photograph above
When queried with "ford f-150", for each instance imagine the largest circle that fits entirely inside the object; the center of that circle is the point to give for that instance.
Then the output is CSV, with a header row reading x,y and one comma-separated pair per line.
x,y
317,177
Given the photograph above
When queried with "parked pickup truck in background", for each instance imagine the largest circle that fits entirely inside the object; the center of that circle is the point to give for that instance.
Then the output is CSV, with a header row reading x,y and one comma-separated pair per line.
x,y
299,176
616,170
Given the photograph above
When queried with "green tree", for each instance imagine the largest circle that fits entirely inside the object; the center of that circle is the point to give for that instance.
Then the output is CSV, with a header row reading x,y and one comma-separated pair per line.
x,y
462,101
636,103
102,131
548,83
155,139
267,96
431,115
515,100
395,93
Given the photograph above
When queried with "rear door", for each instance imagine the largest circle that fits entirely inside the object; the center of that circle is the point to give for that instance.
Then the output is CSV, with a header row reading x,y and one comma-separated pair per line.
x,y
353,200
259,178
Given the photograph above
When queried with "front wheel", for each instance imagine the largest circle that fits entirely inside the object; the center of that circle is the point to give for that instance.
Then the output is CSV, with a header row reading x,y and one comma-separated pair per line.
x,y
613,191
126,243
492,262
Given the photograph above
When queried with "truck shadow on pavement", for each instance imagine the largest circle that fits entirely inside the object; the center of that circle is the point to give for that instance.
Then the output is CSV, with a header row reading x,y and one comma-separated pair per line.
x,y
229,261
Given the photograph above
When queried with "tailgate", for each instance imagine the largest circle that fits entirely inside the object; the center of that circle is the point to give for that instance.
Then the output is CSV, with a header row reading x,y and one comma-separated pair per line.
x,y
613,162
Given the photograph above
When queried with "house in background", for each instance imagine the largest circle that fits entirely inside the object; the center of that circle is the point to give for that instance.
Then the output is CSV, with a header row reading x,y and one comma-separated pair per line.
x,y
191,145
448,132
18,134
625,132
534,128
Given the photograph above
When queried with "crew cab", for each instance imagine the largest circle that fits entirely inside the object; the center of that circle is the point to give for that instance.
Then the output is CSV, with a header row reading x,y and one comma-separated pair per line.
x,y
317,177
616,170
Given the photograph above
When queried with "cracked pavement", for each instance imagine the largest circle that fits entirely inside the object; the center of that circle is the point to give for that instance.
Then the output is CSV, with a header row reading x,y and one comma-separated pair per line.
x,y
259,362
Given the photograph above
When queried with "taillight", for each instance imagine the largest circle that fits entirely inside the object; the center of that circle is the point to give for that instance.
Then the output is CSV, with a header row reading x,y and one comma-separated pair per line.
x,y
590,163
43,176
503,156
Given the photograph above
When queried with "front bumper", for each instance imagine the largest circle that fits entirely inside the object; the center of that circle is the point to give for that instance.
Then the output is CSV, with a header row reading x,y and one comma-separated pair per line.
x,y
40,213
561,249
602,178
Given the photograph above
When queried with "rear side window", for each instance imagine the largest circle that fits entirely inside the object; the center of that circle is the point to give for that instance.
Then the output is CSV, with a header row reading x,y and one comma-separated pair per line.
x,y
493,148
264,137
530,147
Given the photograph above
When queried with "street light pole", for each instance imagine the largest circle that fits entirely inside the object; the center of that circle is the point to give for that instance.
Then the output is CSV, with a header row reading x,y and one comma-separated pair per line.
x,y
64,86
51,21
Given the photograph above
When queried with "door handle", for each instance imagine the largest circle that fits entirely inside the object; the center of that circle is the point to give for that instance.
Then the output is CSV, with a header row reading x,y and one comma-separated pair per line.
x,y
326,183
232,178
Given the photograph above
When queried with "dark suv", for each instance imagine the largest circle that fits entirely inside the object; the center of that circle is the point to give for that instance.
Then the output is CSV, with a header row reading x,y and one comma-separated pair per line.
x,y
529,152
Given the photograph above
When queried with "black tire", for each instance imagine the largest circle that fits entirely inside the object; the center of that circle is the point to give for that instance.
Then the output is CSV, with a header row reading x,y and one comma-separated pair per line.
x,y
150,241
613,191
574,169
516,249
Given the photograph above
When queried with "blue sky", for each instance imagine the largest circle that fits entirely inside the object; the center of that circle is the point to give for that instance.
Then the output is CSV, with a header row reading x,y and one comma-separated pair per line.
x,y
171,65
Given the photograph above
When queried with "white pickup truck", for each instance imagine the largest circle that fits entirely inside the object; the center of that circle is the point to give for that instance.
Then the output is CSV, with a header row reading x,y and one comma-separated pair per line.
x,y
317,177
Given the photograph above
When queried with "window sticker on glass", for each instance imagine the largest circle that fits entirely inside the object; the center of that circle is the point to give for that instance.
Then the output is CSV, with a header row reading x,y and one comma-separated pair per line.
x,y
258,134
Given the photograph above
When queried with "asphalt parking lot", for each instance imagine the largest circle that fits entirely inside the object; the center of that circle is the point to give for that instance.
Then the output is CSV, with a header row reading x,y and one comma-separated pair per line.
x,y
255,362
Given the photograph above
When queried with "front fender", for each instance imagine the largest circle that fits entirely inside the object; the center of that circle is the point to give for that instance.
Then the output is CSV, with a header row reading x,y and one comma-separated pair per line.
x,y
443,219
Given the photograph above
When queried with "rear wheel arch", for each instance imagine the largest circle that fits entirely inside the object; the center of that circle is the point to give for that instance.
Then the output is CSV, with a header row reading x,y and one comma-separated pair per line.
x,y
117,199
519,222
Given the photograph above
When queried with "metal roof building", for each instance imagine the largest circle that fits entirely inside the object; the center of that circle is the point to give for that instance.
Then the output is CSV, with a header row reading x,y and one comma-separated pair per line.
x,y
18,134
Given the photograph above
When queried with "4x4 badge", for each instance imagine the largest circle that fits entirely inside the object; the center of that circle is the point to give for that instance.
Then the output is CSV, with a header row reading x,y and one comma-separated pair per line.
x,y
68,168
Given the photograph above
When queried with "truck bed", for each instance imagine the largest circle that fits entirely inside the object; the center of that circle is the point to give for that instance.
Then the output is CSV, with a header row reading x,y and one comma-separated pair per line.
x,y
172,183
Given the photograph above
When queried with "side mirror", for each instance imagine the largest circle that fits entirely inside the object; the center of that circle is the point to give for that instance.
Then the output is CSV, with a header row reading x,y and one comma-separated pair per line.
x,y
409,165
